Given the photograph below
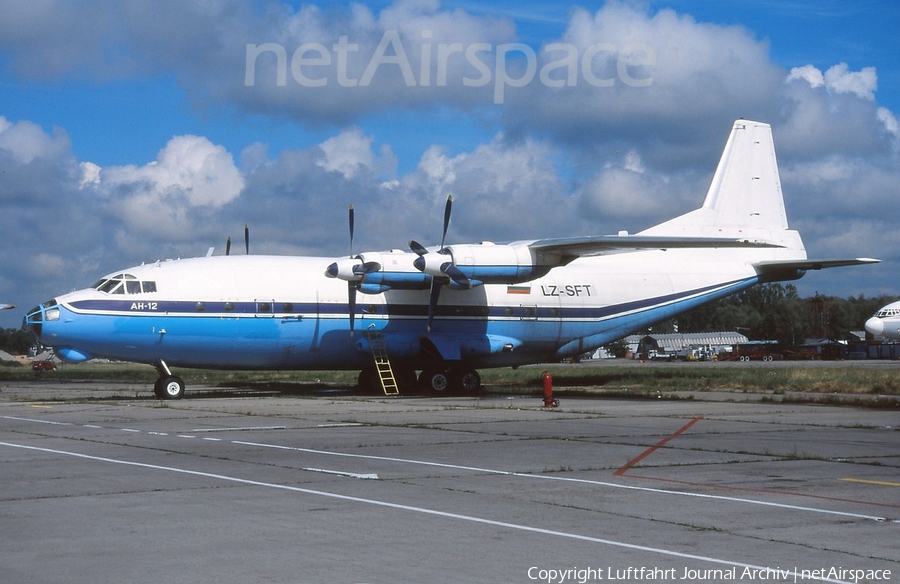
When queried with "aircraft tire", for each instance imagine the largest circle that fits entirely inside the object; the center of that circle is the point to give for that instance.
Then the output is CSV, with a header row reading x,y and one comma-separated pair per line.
x,y
170,387
406,379
467,381
436,381
367,382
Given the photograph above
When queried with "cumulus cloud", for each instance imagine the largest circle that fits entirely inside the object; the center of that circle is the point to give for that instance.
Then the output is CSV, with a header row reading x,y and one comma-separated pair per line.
x,y
839,79
24,141
190,169
165,197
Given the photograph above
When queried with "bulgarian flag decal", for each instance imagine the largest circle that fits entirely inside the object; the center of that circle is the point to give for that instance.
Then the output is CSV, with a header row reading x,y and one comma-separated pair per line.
x,y
518,289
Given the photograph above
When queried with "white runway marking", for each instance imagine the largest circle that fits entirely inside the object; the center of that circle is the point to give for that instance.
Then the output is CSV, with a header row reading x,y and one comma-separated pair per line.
x,y
422,510
240,429
353,475
568,479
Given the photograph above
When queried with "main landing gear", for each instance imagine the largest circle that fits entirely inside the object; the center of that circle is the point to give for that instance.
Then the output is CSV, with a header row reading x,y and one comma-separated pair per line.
x,y
437,380
168,386
450,380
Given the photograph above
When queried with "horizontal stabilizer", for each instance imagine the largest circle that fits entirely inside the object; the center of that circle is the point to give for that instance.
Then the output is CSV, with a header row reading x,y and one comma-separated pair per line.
x,y
771,271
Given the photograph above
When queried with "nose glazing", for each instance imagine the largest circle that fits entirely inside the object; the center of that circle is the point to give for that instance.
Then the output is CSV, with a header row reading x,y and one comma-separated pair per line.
x,y
37,316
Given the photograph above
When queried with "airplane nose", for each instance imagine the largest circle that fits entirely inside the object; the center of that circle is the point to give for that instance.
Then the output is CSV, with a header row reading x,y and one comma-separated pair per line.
x,y
37,316
875,326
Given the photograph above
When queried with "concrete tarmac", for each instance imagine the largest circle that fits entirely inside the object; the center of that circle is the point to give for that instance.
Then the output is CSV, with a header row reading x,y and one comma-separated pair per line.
x,y
102,483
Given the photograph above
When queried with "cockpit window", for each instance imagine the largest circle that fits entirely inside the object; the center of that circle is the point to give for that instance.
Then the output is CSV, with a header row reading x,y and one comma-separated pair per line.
x,y
124,284
887,312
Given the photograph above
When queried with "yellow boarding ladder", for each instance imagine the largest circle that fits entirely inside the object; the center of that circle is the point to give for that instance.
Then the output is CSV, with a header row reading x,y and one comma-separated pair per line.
x,y
382,363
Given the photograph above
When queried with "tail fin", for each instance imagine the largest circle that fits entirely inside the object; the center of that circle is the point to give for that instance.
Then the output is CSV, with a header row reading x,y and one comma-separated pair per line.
x,y
744,198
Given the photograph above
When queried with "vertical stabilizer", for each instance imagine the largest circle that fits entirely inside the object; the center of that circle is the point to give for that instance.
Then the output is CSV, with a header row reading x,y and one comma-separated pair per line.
x,y
744,197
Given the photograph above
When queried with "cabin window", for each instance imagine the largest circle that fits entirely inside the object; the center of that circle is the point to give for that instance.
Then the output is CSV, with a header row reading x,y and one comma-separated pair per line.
x,y
287,307
229,306
133,287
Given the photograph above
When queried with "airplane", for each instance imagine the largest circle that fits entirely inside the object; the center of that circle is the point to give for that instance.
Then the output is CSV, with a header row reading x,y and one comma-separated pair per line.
x,y
7,306
885,323
443,310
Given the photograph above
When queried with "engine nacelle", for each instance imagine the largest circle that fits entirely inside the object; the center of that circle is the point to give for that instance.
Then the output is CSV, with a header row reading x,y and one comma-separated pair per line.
x,y
501,264
348,269
396,272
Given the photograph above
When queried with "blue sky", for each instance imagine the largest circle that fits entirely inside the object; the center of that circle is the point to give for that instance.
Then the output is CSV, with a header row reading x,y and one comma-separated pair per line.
x,y
128,131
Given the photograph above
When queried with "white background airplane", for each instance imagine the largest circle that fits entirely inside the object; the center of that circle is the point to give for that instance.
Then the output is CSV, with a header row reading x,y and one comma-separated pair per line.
x,y
885,323
446,310
7,306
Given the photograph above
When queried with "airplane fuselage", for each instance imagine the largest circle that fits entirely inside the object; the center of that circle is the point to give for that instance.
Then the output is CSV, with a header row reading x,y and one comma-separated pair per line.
x,y
274,312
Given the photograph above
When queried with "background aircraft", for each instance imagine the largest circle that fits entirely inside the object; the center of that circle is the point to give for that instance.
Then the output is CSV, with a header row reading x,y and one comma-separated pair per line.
x,y
444,310
885,324
7,306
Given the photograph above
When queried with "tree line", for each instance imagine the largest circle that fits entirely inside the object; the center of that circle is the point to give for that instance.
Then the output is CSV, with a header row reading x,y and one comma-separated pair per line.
x,y
769,312
775,312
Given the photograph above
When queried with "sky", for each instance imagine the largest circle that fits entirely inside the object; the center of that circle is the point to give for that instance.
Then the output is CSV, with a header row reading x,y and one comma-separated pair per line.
x,y
144,130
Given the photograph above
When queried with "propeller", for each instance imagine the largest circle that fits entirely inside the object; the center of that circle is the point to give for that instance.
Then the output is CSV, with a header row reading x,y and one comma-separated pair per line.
x,y
351,285
246,241
437,265
353,270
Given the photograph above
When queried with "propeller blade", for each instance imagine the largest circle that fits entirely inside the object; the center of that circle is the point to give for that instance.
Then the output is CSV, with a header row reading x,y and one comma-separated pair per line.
x,y
447,209
228,246
247,238
417,248
433,300
456,275
351,221
351,292
366,268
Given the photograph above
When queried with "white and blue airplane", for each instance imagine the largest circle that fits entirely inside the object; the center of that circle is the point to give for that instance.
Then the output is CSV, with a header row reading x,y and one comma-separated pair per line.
x,y
445,311
885,323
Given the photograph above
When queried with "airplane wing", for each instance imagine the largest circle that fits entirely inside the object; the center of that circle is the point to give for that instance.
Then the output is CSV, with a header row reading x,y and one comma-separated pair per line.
x,y
570,248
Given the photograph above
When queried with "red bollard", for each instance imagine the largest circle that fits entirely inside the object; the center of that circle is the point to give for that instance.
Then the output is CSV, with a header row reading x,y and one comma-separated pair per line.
x,y
549,402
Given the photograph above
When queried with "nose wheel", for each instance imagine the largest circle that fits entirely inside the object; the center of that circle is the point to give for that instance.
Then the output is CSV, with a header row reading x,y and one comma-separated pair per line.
x,y
168,386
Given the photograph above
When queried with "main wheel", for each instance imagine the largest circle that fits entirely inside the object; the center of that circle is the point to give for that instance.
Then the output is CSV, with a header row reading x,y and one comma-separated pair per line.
x,y
468,381
435,381
170,387
368,381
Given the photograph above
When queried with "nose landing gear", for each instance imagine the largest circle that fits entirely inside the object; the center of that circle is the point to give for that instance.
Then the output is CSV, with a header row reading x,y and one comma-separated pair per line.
x,y
168,386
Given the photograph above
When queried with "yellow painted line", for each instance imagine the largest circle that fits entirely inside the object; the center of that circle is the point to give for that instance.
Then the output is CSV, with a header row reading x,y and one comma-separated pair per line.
x,y
883,483
44,407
